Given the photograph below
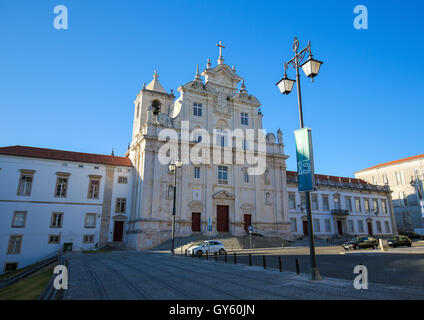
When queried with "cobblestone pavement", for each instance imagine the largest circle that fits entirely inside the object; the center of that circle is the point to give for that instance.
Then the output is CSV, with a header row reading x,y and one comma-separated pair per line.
x,y
147,275
400,266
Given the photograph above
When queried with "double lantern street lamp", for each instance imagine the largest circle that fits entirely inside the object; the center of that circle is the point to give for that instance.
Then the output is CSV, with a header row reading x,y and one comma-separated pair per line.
x,y
311,68
173,168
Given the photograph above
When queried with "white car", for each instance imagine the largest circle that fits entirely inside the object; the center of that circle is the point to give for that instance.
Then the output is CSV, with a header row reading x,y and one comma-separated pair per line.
x,y
211,246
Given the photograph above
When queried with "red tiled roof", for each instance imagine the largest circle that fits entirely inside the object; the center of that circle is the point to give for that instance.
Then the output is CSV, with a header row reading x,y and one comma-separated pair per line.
x,y
393,162
31,152
332,178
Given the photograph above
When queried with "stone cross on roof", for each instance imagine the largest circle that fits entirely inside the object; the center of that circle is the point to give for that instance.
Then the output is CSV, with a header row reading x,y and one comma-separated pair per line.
x,y
220,59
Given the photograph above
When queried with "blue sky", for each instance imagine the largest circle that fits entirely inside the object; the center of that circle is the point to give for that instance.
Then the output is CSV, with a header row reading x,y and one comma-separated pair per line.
x,y
74,89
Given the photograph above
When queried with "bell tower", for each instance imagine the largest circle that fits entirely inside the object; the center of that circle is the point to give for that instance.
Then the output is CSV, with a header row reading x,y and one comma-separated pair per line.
x,y
152,99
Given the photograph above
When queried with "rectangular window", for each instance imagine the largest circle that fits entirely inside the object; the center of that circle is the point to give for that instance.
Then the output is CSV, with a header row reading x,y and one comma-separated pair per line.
x,y
196,172
25,182
303,200
293,225
397,175
384,205
244,119
90,220
360,226
121,204
375,205
325,203
15,243
244,144
221,138
93,188
56,220
367,205
54,238
316,225
222,174
246,177
402,180
314,201
337,205
19,219
197,109
88,238
385,180
122,180
350,226
387,225
358,205
292,201
348,203
327,225
10,266
378,223
61,185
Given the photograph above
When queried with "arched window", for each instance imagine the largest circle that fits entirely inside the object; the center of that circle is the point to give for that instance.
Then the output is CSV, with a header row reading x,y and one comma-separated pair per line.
x,y
156,107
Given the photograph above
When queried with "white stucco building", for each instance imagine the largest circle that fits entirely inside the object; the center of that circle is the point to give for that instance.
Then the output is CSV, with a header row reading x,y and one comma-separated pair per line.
x,y
405,178
341,207
51,199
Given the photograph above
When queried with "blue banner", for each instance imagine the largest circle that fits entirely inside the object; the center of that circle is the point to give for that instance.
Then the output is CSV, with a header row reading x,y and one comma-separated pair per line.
x,y
305,160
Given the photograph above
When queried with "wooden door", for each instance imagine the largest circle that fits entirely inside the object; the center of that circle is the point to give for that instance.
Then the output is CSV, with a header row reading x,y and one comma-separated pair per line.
x,y
195,222
118,230
369,228
222,218
305,228
339,227
247,222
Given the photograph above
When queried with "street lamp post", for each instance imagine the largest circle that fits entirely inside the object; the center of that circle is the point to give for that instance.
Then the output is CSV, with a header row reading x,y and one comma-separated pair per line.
x,y
311,68
173,168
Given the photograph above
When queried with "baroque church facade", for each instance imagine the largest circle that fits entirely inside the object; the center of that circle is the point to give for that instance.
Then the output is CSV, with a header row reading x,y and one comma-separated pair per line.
x,y
213,105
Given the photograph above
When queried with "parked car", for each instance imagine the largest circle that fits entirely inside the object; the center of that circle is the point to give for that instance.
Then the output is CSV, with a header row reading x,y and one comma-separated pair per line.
x,y
412,235
211,246
397,241
360,242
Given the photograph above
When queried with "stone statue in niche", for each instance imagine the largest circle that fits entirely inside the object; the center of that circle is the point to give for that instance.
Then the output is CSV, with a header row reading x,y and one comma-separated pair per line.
x,y
267,178
268,198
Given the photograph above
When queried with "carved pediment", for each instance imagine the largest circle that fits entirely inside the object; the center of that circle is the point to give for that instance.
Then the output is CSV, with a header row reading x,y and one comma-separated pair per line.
x,y
223,194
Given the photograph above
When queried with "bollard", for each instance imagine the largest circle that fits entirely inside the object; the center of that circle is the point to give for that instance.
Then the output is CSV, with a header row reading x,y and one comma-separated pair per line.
x,y
263,258
235,258
280,264
207,255
216,257
297,266
225,256
250,259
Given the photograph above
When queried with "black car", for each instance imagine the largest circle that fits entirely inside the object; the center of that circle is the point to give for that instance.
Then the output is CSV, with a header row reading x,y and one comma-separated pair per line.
x,y
360,242
397,241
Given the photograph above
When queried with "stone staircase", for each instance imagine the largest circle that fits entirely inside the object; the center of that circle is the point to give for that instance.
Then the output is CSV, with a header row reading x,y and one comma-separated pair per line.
x,y
115,245
230,242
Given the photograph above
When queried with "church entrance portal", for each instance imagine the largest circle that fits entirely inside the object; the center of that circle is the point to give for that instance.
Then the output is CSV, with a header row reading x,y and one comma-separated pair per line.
x,y
222,213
